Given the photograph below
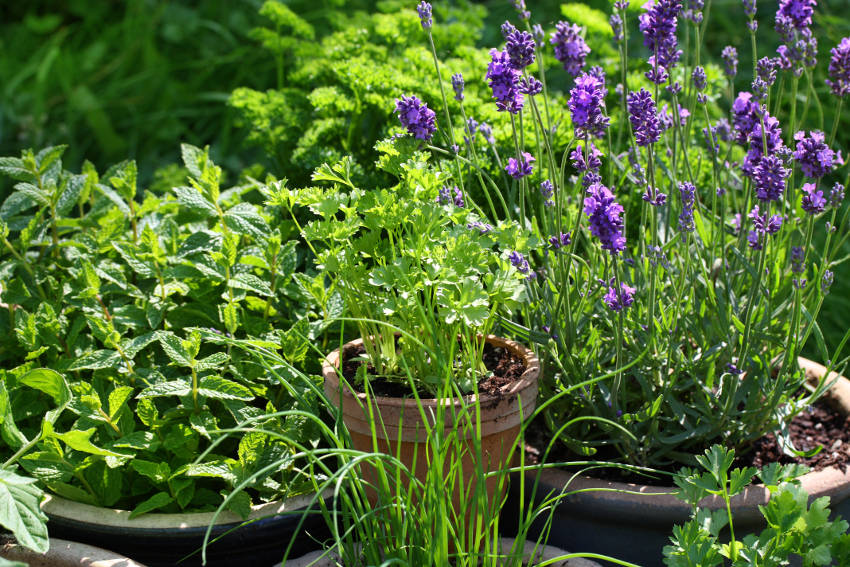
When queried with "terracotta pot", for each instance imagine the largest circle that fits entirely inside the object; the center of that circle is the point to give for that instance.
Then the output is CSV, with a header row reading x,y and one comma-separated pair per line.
x,y
543,553
636,527
65,554
162,540
404,433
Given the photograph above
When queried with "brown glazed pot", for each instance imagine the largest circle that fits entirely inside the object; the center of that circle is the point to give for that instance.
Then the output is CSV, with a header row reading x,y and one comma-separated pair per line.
x,y
404,433
636,527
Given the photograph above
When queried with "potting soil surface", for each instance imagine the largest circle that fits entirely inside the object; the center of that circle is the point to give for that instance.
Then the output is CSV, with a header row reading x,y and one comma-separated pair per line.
x,y
820,426
504,368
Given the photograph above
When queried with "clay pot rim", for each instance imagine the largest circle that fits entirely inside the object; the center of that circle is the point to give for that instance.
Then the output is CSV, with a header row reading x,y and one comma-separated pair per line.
x,y
528,378
80,512
824,482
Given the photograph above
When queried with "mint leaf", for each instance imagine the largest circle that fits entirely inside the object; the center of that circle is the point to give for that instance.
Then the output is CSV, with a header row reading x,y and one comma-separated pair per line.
x,y
20,510
158,500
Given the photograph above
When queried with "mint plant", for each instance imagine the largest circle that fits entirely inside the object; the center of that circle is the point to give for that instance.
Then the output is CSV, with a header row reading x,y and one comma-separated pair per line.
x,y
794,526
411,259
125,296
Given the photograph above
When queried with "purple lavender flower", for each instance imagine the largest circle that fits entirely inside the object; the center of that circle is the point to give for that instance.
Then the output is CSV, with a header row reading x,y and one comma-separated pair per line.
x,y
665,118
520,168
816,159
674,88
694,11
618,301
539,34
547,189
658,25
416,117
587,99
560,241
813,201
653,196
451,195
766,69
839,69
621,5
686,217
593,162
744,116
730,60
836,195
750,8
798,258
710,135
457,85
471,126
487,132
530,86
643,117
616,23
481,227
698,77
771,133
520,47
507,29
724,130
504,80
769,177
764,224
754,240
799,12
826,282
521,264
603,214
424,9
570,47
524,14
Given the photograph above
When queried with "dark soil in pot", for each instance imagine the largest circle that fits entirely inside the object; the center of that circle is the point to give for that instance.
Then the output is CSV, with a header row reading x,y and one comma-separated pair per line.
x,y
504,366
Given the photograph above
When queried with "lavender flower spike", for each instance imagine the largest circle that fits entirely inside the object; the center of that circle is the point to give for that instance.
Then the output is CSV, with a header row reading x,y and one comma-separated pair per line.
x,y
457,85
730,59
686,218
587,99
643,117
570,47
424,9
658,25
839,69
603,214
520,168
816,159
504,81
769,177
618,301
521,264
416,117
520,47
813,200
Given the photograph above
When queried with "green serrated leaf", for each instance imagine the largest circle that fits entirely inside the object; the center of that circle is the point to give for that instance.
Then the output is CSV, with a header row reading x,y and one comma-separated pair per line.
x,y
220,388
173,347
20,510
160,389
158,500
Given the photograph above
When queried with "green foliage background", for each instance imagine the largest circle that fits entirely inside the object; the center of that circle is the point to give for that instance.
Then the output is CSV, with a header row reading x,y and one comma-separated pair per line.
x,y
133,79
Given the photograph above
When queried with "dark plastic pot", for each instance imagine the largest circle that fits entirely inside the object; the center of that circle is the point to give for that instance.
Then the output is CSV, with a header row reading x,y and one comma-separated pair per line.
x,y
164,540
636,527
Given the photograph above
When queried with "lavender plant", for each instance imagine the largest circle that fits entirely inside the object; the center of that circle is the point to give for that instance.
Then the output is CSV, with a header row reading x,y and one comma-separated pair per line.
x,y
676,279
